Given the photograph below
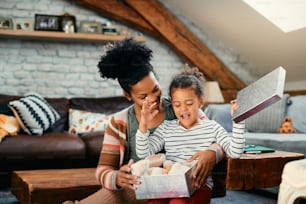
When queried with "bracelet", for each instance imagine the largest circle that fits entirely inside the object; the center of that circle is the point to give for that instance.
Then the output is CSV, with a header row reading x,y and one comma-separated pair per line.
x,y
218,153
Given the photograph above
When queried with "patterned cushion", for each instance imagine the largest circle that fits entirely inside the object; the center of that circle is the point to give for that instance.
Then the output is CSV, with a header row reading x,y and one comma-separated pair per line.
x,y
34,113
269,119
81,122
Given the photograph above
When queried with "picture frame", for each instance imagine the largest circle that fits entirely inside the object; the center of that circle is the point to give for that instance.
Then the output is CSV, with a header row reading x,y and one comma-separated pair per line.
x,y
47,22
23,24
90,27
6,23
68,23
109,31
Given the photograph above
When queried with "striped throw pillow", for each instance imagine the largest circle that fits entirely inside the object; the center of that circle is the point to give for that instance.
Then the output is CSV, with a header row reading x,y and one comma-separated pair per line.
x,y
34,113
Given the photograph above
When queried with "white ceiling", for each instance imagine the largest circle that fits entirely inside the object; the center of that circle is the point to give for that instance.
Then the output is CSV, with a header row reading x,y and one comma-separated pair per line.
x,y
287,15
249,33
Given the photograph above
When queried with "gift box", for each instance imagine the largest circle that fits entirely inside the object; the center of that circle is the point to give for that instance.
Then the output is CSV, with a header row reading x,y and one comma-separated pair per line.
x,y
166,186
260,94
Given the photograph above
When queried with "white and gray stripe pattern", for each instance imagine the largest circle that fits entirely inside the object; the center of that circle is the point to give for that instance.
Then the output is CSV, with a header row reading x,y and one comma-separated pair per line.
x,y
35,113
181,143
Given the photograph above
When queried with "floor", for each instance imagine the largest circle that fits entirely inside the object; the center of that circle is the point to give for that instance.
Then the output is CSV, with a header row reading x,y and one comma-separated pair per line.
x,y
260,196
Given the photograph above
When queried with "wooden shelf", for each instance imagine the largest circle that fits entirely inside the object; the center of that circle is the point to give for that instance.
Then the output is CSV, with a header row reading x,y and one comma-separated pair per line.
x,y
61,36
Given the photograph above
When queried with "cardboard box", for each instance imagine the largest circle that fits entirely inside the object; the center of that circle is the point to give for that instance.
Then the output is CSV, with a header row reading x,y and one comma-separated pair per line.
x,y
165,186
260,94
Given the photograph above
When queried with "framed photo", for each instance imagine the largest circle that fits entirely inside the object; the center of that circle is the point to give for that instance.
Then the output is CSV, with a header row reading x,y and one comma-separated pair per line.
x,y
109,31
23,24
90,27
6,23
47,22
68,23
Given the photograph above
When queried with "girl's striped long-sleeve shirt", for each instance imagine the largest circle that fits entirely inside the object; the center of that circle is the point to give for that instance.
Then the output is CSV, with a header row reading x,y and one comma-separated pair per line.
x,y
180,143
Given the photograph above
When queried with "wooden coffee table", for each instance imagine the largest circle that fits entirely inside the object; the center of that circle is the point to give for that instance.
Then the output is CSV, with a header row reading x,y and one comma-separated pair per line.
x,y
258,170
53,186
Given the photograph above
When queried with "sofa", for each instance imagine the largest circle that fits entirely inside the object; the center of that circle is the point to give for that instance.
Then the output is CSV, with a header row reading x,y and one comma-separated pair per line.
x,y
56,147
61,146
262,128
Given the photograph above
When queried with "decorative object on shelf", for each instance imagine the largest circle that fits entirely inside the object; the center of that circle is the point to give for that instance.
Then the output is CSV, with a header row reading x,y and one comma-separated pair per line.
x,y
6,23
23,24
68,23
124,31
47,22
109,29
90,27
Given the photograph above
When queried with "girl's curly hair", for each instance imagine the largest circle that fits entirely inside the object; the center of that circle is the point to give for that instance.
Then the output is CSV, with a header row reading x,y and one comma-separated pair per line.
x,y
128,61
189,77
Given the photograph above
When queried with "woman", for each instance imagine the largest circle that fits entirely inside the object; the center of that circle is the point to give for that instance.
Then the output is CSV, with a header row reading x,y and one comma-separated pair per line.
x,y
129,63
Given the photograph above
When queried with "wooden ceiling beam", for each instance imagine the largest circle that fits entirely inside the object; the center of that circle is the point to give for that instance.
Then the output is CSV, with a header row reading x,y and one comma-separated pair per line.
x,y
153,18
185,43
119,11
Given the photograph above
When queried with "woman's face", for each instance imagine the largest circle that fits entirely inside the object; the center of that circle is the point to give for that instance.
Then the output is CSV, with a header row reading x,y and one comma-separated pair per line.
x,y
148,88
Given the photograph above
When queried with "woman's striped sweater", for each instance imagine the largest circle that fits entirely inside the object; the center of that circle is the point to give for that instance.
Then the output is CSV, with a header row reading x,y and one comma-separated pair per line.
x,y
112,154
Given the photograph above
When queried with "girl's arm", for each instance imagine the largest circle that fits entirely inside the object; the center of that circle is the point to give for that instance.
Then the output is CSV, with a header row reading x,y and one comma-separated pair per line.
x,y
234,144
149,144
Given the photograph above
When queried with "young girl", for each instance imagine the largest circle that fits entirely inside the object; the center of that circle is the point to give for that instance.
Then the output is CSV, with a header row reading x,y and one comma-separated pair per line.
x,y
187,135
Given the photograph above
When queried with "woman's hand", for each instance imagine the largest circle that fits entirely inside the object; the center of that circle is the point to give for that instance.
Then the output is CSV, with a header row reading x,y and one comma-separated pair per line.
x,y
204,166
148,112
125,179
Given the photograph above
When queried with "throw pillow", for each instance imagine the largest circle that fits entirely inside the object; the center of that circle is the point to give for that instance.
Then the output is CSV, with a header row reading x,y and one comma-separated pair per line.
x,y
34,113
269,119
81,121
297,111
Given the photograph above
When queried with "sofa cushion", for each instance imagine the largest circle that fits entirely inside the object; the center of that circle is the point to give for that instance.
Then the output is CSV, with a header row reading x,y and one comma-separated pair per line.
x,y
221,114
4,109
81,121
100,105
61,105
297,111
34,113
286,142
5,99
51,145
93,142
269,119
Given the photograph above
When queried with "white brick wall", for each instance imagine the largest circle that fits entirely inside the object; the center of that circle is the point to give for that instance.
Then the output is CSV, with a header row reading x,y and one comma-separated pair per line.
x,y
67,69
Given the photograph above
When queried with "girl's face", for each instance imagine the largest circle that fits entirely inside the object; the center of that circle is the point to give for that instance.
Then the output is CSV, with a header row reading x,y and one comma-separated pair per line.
x,y
148,88
186,106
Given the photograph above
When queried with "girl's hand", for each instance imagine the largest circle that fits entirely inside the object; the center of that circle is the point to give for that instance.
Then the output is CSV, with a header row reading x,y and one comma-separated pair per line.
x,y
234,106
125,179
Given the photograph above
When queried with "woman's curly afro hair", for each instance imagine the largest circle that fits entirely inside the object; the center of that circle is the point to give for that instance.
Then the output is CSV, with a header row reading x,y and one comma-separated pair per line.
x,y
128,61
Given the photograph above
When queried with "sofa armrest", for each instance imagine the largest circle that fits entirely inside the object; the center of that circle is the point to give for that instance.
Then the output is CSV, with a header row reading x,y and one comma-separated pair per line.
x,y
93,142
